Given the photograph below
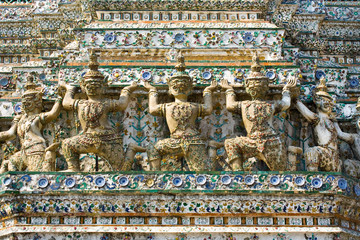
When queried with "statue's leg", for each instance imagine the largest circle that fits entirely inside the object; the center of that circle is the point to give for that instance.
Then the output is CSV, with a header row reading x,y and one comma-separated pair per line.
x,y
114,153
50,160
233,151
154,157
352,167
35,163
50,157
164,155
130,156
72,149
12,163
196,157
312,159
212,153
275,156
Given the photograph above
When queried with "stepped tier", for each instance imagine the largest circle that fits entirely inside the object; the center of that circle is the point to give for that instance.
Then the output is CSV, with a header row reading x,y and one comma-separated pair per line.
x,y
175,204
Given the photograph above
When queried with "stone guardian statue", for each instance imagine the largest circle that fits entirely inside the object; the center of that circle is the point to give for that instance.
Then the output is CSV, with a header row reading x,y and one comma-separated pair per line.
x,y
324,156
185,140
262,141
97,135
34,155
352,166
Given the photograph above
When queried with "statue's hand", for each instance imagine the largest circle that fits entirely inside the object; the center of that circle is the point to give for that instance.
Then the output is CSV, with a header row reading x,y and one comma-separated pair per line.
x,y
212,86
225,84
132,86
291,83
293,88
148,86
17,118
63,86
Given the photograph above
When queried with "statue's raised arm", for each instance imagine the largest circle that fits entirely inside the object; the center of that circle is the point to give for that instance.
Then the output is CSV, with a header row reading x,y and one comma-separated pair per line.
x,y
207,107
154,108
285,101
231,104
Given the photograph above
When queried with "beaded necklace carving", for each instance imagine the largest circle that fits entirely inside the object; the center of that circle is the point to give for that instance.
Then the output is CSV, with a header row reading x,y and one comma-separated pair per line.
x,y
92,112
182,112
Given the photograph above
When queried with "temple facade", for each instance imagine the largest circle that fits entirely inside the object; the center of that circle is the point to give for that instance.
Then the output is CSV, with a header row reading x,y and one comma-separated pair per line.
x,y
171,119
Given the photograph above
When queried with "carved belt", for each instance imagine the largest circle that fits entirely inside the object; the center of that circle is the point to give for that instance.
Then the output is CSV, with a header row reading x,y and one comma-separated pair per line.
x,y
185,141
94,138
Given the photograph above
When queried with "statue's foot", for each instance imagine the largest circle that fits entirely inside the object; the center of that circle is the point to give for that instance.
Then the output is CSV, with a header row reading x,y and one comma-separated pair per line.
x,y
236,165
136,148
53,147
215,144
249,164
70,170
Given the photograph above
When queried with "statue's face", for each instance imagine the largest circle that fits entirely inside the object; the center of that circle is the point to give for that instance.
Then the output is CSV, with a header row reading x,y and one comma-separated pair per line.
x,y
256,87
93,87
180,87
30,102
325,104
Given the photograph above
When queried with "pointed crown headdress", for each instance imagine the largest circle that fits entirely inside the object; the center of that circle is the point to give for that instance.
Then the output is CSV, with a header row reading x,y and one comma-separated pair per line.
x,y
255,73
180,74
93,72
31,88
321,89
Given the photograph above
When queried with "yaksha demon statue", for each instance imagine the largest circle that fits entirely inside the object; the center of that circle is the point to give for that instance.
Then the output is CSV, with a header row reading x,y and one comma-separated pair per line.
x,y
33,155
262,141
323,157
352,166
97,135
185,140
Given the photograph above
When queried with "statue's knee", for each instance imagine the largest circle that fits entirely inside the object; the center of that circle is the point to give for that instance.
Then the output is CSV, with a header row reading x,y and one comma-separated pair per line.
x,y
312,159
136,148
155,164
152,151
311,154
228,143
65,144
49,161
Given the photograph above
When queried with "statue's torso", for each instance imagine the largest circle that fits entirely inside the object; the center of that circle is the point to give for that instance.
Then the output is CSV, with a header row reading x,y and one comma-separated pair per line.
x,y
325,132
29,130
258,117
181,117
93,116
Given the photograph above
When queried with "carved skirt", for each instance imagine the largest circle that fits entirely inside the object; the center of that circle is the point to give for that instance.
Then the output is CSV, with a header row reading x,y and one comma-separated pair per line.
x,y
270,150
170,150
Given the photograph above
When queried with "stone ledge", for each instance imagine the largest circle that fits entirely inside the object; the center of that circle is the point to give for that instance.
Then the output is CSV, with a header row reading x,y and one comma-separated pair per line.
x,y
180,182
205,202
